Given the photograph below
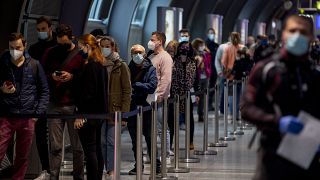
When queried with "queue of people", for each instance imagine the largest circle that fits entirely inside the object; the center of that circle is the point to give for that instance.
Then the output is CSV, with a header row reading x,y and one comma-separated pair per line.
x,y
63,75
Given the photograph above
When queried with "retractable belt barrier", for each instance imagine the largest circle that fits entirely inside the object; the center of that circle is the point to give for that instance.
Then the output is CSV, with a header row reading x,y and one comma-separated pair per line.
x,y
118,116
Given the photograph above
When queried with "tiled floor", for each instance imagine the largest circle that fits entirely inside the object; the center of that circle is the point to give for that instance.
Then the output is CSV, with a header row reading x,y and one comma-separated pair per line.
x,y
235,162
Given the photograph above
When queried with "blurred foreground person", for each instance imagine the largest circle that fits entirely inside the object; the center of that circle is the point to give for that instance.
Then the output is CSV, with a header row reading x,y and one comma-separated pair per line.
x,y
278,89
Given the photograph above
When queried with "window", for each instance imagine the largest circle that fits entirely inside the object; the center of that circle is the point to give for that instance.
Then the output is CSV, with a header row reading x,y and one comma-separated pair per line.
x,y
140,12
100,10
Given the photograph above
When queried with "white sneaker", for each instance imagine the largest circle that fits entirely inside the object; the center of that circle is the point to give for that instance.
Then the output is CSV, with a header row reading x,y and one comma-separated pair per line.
x,y
168,160
171,153
43,176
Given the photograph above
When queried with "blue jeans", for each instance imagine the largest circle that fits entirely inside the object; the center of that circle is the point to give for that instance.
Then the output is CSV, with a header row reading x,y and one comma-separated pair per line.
x,y
237,100
107,142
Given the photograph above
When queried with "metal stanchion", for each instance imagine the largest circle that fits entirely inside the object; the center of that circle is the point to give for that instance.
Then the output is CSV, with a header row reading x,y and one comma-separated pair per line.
x,y
139,143
176,168
117,145
205,150
242,125
226,137
217,143
164,143
187,158
153,141
234,110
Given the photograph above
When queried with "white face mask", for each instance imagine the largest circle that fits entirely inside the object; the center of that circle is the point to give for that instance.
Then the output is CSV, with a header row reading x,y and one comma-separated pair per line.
x,y
184,39
43,35
211,37
106,52
137,58
202,48
16,54
151,45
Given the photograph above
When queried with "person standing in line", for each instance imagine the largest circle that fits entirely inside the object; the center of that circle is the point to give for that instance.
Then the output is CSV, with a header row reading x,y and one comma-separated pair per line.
x,y
24,90
279,88
213,47
62,64
119,96
183,78
46,40
221,78
203,59
228,60
163,63
91,99
144,81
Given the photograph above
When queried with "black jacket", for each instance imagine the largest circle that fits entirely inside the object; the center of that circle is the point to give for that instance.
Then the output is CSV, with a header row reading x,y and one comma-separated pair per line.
x,y
91,89
144,81
37,50
32,95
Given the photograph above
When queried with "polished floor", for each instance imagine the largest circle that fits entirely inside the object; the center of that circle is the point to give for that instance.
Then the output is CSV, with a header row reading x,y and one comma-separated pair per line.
x,y
235,162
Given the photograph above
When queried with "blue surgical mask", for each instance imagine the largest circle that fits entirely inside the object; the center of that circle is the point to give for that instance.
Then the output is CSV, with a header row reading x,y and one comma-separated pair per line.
x,y
183,39
264,42
297,44
137,58
211,37
43,35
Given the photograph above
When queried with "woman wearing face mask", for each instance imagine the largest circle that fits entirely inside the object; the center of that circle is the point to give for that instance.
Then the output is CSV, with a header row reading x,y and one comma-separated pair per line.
x,y
183,76
172,47
203,58
119,96
91,100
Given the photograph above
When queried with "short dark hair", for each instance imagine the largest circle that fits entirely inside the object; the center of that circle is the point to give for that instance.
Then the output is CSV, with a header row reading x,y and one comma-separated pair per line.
x,y
297,17
184,31
211,29
64,29
44,19
97,32
17,36
161,36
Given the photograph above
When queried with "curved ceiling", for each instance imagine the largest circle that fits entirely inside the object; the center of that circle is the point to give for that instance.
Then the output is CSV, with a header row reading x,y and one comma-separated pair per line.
x,y
254,10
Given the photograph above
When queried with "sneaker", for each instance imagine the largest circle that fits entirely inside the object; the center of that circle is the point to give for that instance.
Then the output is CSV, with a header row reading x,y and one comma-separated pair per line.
x,y
229,117
43,176
133,171
171,153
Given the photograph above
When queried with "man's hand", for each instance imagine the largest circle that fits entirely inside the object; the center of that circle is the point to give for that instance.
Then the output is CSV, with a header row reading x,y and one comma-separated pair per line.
x,y
8,89
78,123
197,99
34,119
66,76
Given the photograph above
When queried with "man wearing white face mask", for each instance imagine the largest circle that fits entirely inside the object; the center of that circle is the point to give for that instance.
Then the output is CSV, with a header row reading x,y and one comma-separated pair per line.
x,y
24,90
144,82
278,89
163,63
36,51
46,38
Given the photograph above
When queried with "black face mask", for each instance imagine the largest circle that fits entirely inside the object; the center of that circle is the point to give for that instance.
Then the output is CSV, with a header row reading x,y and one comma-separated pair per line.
x,y
64,46
183,52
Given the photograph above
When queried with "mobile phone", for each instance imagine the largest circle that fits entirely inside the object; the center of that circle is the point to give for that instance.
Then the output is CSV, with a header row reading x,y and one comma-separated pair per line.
x,y
9,83
58,73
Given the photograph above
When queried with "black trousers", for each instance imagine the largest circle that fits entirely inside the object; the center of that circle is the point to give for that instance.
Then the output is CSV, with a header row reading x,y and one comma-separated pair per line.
x,y
90,137
146,131
171,122
41,130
